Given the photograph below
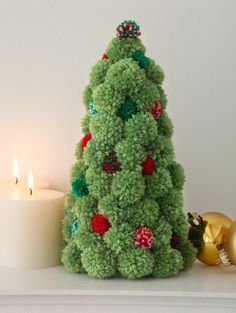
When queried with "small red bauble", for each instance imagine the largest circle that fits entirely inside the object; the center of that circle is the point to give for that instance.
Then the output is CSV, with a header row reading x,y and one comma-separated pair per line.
x,y
104,56
110,164
100,224
157,110
148,166
144,238
85,140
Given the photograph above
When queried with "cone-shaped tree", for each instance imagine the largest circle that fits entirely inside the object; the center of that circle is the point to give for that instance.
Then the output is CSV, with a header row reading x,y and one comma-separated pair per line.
x,y
124,213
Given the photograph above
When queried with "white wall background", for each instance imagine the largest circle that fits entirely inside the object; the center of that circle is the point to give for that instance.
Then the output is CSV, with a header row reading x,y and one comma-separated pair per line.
x,y
47,49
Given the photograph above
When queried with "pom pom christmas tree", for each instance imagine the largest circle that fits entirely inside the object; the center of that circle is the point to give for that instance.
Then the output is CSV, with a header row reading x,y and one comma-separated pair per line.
x,y
124,214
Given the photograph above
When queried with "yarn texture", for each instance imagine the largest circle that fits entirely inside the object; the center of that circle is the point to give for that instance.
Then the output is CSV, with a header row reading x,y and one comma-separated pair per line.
x,y
124,214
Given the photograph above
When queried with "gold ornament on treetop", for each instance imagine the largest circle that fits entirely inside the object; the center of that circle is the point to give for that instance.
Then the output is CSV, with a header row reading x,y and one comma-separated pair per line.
x,y
214,238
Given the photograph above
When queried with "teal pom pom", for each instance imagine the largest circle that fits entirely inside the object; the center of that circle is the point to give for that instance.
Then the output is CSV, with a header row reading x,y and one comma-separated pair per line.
x,y
79,187
142,60
75,226
127,110
92,109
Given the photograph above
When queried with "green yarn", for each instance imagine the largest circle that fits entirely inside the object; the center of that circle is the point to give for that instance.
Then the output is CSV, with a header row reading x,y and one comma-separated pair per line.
x,y
79,187
120,49
120,237
136,263
107,177
155,73
128,187
71,258
127,110
142,60
99,262
168,262
142,130
177,175
188,254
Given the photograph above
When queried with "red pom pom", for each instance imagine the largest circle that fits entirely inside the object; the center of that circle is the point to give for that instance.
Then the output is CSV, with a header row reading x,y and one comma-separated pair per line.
x,y
104,56
100,224
148,166
144,238
85,140
157,110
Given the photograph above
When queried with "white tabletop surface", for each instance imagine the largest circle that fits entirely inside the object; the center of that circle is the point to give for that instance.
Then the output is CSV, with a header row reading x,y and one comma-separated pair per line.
x,y
200,280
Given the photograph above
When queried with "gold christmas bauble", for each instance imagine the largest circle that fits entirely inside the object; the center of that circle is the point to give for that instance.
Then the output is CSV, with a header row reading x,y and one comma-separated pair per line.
x,y
214,236
230,243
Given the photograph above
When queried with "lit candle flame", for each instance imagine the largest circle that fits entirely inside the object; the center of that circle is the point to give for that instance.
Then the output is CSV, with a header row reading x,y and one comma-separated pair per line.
x,y
15,170
30,183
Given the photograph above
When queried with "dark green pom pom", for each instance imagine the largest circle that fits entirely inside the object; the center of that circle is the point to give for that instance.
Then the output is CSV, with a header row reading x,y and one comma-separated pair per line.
x,y
127,110
142,60
79,187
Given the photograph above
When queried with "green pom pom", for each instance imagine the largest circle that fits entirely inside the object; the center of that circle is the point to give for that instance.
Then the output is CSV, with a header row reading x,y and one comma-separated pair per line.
x,y
71,258
79,187
136,263
142,60
168,262
177,175
99,262
120,238
189,254
127,110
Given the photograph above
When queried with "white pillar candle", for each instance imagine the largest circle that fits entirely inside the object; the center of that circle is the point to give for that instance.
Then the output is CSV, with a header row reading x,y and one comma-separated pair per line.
x,y
30,228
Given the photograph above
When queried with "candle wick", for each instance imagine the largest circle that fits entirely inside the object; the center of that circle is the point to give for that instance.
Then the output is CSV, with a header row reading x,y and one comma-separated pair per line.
x,y
30,191
16,180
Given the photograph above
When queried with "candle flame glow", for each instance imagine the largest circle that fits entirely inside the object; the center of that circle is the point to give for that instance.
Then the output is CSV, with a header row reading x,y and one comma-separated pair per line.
x,y
30,182
15,169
